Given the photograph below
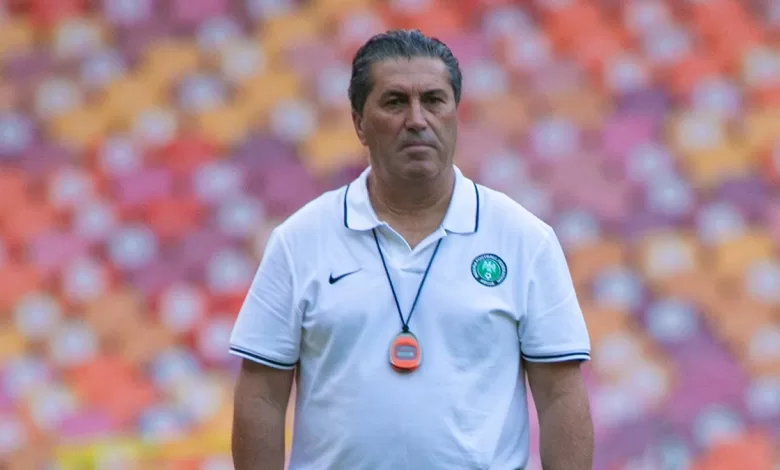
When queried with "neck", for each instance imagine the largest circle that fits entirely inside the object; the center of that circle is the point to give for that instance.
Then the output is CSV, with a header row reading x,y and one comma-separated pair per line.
x,y
407,199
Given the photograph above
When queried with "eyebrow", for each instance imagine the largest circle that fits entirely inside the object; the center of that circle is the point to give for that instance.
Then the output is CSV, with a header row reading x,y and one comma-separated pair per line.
x,y
433,91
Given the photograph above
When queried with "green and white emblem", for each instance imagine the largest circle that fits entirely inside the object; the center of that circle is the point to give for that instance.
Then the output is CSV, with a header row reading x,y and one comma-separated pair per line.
x,y
488,269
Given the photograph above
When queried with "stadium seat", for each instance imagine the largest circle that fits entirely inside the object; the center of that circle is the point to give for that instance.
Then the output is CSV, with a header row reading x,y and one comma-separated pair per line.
x,y
164,62
585,262
79,128
331,147
282,34
719,165
732,257
751,451
259,95
227,126
770,163
18,37
47,13
760,127
12,345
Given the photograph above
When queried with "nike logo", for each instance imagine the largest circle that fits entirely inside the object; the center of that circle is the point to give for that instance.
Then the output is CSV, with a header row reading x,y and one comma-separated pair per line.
x,y
336,279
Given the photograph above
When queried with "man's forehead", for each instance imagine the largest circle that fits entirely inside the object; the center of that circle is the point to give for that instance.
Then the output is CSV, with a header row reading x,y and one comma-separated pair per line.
x,y
418,74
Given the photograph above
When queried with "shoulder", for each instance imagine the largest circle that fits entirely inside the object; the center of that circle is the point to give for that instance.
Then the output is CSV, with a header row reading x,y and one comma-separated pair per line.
x,y
317,216
503,215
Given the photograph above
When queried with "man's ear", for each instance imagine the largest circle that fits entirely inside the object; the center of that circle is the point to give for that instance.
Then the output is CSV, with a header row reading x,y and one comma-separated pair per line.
x,y
357,120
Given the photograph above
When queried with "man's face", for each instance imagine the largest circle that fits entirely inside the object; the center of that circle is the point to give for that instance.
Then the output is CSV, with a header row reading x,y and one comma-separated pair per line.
x,y
409,122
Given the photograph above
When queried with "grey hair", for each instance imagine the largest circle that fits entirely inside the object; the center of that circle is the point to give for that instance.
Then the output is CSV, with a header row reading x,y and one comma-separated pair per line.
x,y
398,44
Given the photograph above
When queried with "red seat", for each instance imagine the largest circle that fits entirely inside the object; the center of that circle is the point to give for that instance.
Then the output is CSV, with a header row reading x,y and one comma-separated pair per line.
x,y
48,12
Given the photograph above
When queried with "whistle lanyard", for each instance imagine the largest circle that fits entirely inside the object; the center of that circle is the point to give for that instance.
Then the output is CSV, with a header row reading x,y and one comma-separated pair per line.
x,y
405,323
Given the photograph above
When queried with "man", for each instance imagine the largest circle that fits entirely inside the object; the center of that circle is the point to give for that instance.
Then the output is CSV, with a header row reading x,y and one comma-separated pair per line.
x,y
411,303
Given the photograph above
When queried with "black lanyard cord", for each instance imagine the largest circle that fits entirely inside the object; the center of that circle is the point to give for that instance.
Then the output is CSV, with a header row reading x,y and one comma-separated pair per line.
x,y
405,324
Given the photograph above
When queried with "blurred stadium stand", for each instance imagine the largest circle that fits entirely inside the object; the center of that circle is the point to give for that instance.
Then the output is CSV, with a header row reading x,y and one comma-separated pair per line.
x,y
147,147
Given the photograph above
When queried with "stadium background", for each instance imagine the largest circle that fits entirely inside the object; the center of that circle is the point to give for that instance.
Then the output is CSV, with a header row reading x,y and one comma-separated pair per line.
x,y
147,147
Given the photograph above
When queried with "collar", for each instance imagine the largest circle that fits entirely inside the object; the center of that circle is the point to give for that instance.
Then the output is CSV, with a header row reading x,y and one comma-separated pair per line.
x,y
462,215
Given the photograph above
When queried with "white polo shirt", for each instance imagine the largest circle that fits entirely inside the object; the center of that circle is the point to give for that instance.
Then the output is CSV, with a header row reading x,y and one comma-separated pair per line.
x,y
498,290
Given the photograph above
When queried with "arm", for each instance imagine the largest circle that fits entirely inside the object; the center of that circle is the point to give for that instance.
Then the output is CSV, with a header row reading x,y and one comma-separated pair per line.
x,y
260,406
554,341
566,429
267,336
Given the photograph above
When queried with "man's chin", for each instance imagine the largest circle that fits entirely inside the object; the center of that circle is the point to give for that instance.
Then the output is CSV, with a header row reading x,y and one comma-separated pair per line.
x,y
420,170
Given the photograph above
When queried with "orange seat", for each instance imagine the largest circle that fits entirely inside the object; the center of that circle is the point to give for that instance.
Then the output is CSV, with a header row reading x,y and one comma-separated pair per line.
x,y
695,133
125,319
603,322
73,37
698,287
354,27
204,441
146,342
616,344
81,128
763,350
16,36
332,146
258,96
167,60
587,261
223,418
27,458
289,420
440,19
760,127
509,113
583,105
226,125
666,254
240,60
281,33
329,11
719,164
127,97
738,329
751,451
12,344
731,258
182,464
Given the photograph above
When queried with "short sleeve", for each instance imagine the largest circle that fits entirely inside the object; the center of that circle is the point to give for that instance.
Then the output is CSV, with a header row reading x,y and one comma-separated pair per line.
x,y
553,328
268,328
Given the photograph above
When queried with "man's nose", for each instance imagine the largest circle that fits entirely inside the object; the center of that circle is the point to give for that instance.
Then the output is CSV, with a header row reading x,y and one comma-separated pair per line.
x,y
415,119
